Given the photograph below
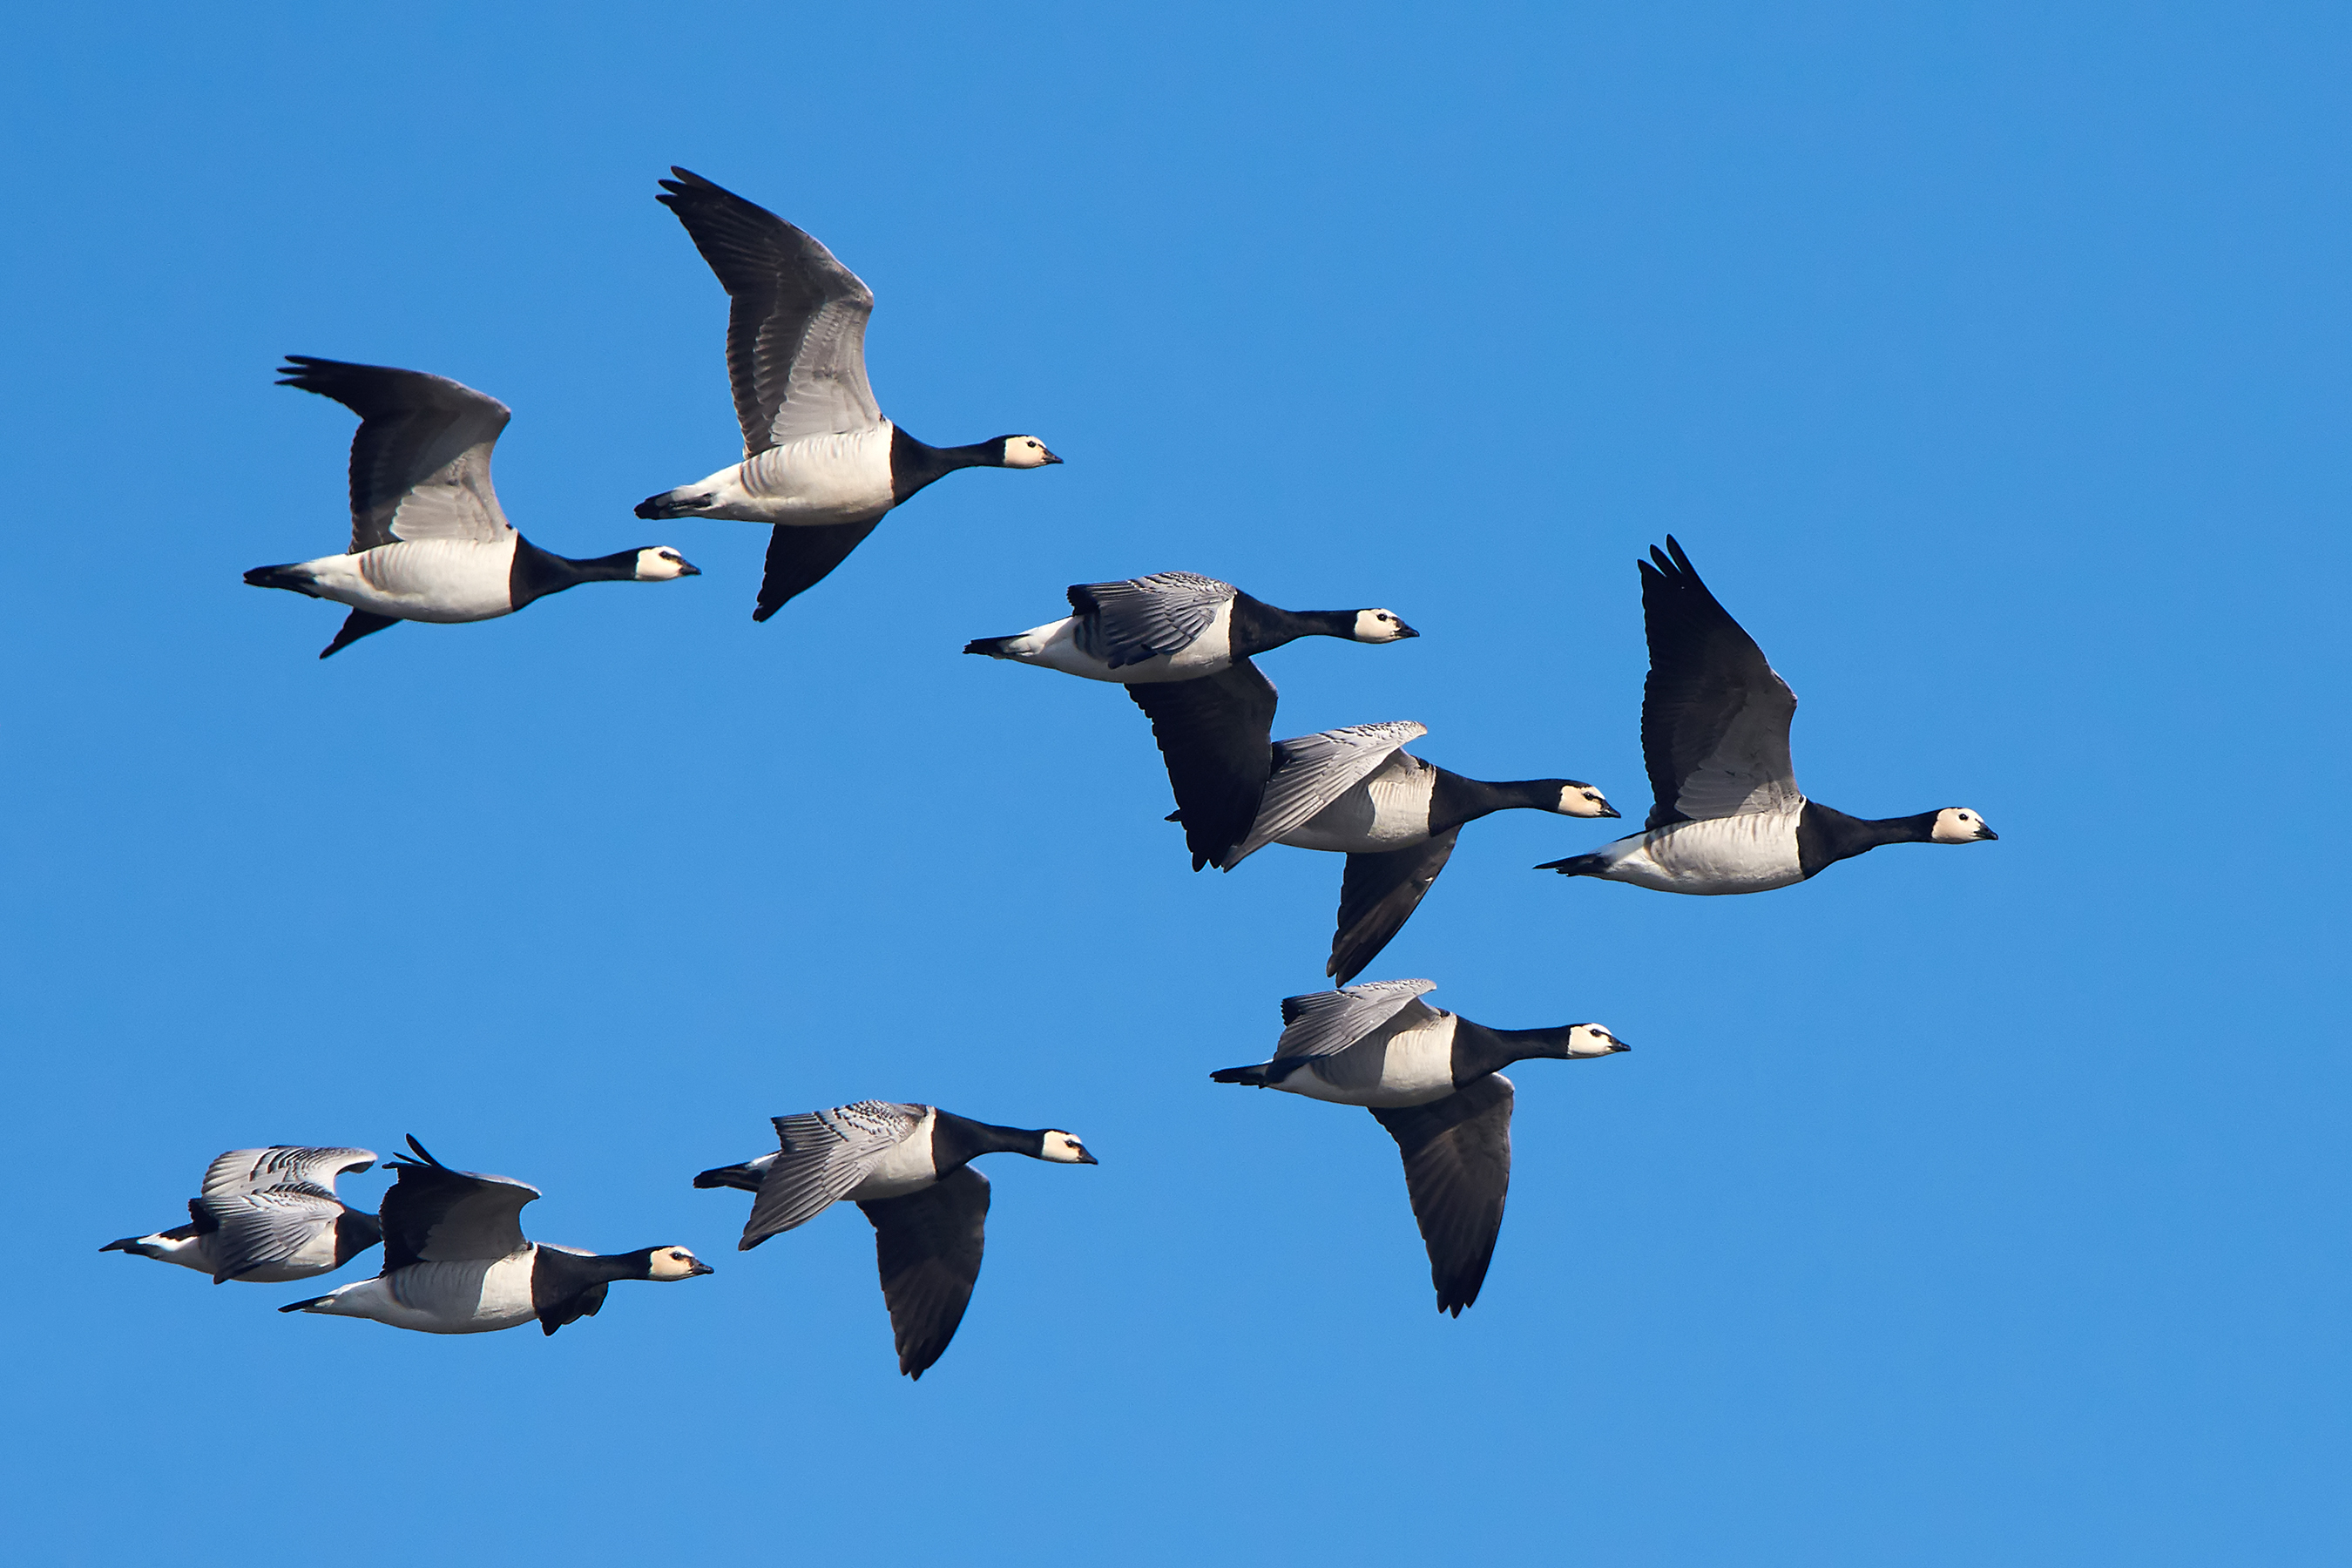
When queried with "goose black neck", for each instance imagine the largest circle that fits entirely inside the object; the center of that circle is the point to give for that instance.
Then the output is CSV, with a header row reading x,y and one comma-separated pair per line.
x,y
1454,800
355,1231
558,1273
1258,626
1826,836
1480,1050
538,572
914,465
959,1140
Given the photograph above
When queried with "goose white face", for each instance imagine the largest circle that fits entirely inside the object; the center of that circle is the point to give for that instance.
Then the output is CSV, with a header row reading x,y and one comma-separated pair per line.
x,y
1956,825
1063,1150
660,563
1026,452
674,1263
1593,1040
1381,626
1583,800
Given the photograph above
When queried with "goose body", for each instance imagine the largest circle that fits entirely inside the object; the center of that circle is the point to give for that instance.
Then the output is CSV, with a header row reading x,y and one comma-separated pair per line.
x,y
821,465
456,1262
1727,817
1433,1080
429,541
1357,792
266,1216
1181,644
908,1167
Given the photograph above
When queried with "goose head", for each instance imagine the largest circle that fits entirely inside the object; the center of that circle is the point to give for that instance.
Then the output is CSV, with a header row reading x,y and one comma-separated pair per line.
x,y
1379,626
1062,1149
1025,452
660,563
1577,798
1958,824
1593,1040
672,1263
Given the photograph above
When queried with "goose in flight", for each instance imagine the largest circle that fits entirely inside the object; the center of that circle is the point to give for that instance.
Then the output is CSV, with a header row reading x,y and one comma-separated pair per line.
x,y
1181,644
1359,793
267,1216
455,1260
820,462
910,1168
1728,817
1434,1080
429,541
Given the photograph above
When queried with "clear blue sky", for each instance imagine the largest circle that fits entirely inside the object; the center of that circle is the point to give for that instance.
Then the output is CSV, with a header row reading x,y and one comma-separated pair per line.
x,y
1955,1208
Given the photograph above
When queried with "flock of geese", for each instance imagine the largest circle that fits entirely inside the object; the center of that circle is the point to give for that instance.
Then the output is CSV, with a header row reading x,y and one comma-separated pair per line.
x,y
822,465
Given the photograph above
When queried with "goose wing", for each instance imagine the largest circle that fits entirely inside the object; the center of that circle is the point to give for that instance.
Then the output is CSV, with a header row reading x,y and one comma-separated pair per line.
x,y
1127,622
1714,714
421,461
928,1244
436,1214
1457,1171
1216,735
282,1165
795,319
801,558
824,1153
1325,1022
253,1229
1378,895
1310,771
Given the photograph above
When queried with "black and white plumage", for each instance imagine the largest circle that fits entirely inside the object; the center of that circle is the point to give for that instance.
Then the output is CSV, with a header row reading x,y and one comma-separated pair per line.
x,y
429,541
266,1217
1181,644
820,461
1434,1080
1359,793
1728,817
908,1167
456,1260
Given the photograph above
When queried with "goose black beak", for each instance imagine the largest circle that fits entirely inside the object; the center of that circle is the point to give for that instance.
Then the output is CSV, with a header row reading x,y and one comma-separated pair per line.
x,y
1404,631
1611,811
1089,1160
1050,459
1616,1045
1988,833
699,1267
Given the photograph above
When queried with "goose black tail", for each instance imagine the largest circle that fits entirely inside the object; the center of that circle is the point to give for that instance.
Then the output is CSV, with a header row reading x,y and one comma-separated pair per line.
x,y
128,1244
1574,866
740,1177
289,576
993,646
299,1305
1256,1077
671,503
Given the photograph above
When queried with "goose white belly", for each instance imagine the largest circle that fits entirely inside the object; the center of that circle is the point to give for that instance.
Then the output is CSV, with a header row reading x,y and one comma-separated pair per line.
x,y
1055,646
187,1251
1408,1066
1389,810
813,482
422,580
476,1296
906,1167
1752,853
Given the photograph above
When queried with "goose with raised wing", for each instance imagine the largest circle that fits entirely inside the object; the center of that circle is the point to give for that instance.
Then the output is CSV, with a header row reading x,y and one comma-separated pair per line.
x,y
1357,792
1728,817
1434,1080
1181,644
456,1260
266,1217
908,1167
820,462
429,541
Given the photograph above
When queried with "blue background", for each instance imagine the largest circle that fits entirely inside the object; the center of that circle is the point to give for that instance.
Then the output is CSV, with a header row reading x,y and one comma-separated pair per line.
x,y
1954,1208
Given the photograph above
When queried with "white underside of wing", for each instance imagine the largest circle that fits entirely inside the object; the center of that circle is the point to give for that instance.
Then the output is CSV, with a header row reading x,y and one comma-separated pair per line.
x,y
1407,1061
1389,810
1055,646
905,1167
447,580
1752,853
812,481
475,1296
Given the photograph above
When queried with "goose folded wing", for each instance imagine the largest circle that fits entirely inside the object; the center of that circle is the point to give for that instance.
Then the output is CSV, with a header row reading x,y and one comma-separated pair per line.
x,y
1378,894
1325,1022
1457,1171
824,1154
928,1246
1216,735
257,1229
282,1165
421,460
1127,622
1310,771
799,558
436,1214
1714,714
795,321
